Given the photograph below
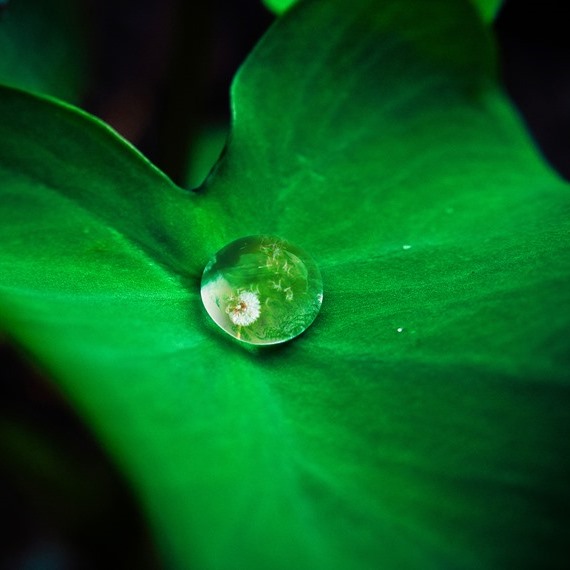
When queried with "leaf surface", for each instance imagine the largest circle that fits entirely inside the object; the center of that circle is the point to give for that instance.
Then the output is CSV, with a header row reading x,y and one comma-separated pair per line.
x,y
420,422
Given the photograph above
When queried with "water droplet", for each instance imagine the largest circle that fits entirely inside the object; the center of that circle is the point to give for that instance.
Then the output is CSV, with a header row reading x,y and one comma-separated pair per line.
x,y
262,289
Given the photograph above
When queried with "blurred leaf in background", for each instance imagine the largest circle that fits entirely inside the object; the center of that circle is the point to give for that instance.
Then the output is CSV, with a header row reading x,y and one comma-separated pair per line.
x,y
43,47
487,8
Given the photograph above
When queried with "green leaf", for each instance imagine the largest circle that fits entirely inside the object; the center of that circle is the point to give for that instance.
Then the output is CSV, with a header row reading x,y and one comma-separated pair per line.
x,y
487,8
421,421
279,6
42,47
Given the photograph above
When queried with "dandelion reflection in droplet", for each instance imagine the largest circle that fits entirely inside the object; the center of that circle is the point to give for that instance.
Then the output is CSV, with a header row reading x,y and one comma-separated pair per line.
x,y
262,289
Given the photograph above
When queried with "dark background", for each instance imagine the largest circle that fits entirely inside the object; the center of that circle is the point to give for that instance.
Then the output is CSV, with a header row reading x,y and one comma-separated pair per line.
x,y
63,504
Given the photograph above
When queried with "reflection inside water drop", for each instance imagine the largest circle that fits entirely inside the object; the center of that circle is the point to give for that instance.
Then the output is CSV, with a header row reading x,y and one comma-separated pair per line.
x,y
262,289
